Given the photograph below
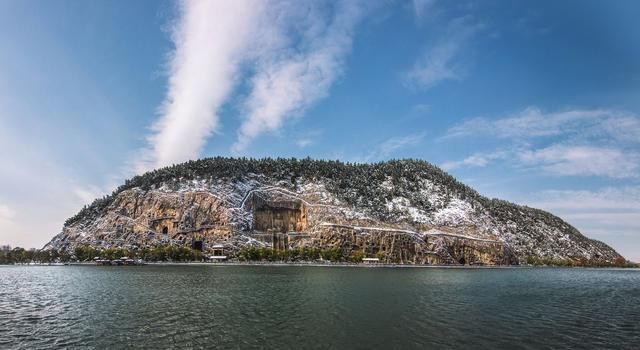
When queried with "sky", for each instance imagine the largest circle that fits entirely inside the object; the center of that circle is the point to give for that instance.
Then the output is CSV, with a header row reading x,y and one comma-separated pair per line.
x,y
536,102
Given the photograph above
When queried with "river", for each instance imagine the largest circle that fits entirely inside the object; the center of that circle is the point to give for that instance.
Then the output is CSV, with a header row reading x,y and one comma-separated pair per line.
x,y
293,307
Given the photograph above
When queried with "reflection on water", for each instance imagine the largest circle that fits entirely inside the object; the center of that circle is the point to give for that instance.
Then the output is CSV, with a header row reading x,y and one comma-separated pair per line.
x,y
317,308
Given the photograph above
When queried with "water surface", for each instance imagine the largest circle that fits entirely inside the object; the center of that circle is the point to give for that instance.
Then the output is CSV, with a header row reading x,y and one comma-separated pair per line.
x,y
317,307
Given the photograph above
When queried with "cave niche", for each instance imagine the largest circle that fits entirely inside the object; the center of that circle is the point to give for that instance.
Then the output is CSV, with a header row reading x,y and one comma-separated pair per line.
x,y
278,215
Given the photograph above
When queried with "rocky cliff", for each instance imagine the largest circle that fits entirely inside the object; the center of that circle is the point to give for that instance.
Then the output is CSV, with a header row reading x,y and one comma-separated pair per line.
x,y
406,211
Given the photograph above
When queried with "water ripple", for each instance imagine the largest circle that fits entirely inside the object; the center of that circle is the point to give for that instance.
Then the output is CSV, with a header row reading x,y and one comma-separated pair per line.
x,y
317,308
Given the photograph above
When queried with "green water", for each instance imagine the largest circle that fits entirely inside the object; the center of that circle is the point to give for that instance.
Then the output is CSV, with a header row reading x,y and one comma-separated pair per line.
x,y
317,308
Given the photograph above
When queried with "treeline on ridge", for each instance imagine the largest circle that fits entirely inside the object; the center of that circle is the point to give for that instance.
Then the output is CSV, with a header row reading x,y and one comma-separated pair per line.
x,y
350,181
358,184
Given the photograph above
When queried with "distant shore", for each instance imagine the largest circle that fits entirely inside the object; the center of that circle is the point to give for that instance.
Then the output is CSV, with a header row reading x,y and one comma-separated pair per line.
x,y
321,264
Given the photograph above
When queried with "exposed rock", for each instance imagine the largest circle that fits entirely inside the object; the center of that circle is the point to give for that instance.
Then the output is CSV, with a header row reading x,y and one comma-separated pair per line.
x,y
411,217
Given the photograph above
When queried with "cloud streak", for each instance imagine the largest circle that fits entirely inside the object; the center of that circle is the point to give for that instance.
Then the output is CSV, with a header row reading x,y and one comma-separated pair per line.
x,y
440,62
567,160
293,73
609,213
210,38
391,145
577,142
624,199
534,123
475,160
289,53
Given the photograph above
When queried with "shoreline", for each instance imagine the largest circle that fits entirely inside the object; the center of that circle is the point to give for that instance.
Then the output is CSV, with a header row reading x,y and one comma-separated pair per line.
x,y
330,265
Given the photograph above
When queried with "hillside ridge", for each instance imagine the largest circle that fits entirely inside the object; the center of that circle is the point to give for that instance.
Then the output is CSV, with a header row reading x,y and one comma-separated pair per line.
x,y
404,211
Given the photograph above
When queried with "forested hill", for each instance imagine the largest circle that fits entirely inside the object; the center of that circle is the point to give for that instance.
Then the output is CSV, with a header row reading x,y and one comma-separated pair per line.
x,y
437,215
349,180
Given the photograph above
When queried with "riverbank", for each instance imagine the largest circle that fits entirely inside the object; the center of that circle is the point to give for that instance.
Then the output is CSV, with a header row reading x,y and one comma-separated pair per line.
x,y
327,264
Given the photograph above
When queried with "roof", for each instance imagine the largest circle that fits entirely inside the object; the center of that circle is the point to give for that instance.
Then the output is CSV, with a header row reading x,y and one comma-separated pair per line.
x,y
217,246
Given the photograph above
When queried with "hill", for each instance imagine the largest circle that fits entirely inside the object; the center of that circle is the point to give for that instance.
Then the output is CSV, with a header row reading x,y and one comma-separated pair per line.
x,y
402,211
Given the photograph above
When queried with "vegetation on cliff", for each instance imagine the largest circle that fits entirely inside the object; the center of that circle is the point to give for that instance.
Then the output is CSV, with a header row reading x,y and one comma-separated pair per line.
x,y
409,193
348,180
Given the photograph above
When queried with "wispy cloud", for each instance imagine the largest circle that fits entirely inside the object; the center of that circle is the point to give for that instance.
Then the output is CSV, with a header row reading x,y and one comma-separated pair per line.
x,y
290,53
609,213
210,39
584,161
306,138
293,73
623,199
534,123
475,160
577,142
86,194
391,145
441,62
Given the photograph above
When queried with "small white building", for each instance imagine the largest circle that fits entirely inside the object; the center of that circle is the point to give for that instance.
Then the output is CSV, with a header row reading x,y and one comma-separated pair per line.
x,y
218,253
370,260
217,258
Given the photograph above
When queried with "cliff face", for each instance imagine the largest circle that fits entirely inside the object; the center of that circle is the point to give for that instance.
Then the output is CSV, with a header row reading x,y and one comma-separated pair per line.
x,y
404,212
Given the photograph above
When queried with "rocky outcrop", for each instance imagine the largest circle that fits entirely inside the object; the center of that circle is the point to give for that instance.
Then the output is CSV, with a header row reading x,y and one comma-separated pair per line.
x,y
408,218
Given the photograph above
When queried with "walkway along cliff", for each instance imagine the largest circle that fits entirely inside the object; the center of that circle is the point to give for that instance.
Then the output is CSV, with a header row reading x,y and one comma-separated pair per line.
x,y
405,211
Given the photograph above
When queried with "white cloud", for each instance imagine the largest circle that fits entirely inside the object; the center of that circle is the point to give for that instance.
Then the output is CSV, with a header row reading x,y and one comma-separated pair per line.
x,y
624,127
475,160
303,142
290,52
435,66
210,39
584,161
611,198
440,62
391,146
533,123
578,142
87,194
306,138
293,73
612,214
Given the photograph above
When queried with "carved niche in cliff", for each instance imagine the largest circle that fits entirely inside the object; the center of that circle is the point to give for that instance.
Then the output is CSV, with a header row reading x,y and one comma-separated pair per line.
x,y
278,215
163,225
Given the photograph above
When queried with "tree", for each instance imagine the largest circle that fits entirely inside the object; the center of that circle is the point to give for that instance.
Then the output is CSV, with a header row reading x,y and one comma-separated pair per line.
x,y
44,256
356,256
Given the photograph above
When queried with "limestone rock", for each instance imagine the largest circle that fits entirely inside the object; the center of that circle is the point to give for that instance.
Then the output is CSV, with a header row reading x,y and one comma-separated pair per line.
x,y
409,214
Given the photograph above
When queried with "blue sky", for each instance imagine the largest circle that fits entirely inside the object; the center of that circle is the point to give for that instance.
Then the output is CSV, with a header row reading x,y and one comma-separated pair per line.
x,y
534,102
